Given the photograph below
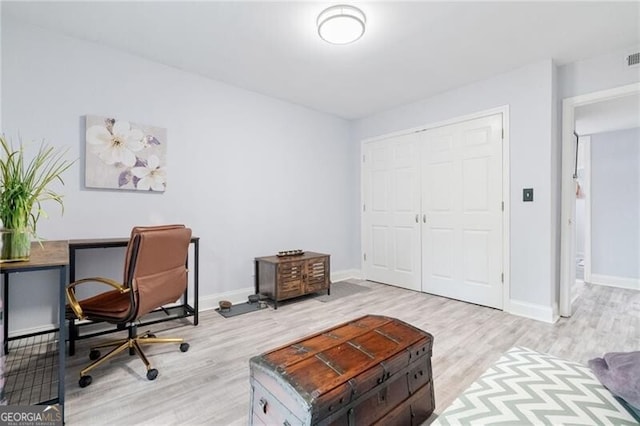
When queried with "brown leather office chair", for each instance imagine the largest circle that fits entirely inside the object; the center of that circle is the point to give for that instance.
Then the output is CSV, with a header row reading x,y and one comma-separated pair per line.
x,y
155,274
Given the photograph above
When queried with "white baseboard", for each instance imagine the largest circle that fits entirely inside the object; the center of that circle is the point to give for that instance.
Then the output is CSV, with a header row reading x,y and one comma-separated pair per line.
x,y
533,311
576,289
355,274
233,296
613,281
37,329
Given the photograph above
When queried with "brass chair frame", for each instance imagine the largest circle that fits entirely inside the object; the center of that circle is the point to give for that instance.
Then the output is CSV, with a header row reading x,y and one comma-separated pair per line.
x,y
134,341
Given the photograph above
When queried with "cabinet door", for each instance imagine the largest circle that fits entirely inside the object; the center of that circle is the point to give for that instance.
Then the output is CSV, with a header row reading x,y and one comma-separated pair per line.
x,y
317,274
290,279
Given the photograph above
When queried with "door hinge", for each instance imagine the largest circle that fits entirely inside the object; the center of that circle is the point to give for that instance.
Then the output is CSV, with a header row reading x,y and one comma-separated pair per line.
x,y
364,158
364,256
502,277
503,206
364,207
503,134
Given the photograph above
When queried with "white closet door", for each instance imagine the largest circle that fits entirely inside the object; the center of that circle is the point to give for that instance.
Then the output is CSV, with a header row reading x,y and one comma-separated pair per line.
x,y
391,192
462,211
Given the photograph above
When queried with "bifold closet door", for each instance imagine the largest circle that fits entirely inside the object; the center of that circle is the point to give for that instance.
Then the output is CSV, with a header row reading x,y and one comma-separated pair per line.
x,y
391,207
462,211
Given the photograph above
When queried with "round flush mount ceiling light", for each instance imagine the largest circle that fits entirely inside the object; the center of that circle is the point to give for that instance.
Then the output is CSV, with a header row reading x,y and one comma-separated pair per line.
x,y
341,24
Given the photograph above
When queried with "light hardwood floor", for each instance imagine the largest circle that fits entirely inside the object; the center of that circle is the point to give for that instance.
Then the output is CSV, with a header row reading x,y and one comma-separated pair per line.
x,y
209,384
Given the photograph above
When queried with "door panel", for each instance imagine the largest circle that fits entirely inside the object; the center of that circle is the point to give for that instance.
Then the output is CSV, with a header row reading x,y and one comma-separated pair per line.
x,y
391,193
462,204
439,189
475,244
379,246
474,184
442,259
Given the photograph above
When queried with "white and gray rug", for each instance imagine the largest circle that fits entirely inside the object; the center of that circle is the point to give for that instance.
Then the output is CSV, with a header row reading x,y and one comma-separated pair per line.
x,y
526,387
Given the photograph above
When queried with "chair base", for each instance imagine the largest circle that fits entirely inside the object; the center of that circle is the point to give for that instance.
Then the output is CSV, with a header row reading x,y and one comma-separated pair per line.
x,y
134,344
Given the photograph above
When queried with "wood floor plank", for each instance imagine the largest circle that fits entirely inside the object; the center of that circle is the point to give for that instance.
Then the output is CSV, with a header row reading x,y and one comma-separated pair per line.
x,y
209,384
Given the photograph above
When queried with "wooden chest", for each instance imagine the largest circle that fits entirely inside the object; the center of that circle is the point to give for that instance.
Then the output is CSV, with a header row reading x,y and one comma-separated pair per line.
x,y
373,369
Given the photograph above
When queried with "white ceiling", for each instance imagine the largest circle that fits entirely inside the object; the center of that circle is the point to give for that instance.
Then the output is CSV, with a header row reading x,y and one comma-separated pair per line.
x,y
410,51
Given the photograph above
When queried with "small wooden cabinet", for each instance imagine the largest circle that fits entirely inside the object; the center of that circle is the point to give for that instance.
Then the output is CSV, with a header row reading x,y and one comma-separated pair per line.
x,y
285,277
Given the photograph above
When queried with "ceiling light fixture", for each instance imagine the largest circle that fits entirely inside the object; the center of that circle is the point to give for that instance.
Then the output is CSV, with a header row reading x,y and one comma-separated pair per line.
x,y
341,24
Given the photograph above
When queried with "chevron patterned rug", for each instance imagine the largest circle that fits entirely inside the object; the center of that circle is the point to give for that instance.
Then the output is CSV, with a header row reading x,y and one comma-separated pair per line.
x,y
526,387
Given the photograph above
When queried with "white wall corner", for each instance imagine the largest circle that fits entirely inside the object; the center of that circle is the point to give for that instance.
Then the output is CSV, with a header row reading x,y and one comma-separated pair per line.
x,y
530,310
234,296
347,274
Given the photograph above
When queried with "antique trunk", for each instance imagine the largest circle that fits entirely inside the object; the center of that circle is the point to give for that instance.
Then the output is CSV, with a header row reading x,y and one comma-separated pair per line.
x,y
373,369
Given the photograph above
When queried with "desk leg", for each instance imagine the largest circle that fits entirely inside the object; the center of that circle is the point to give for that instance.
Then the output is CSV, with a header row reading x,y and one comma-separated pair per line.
x,y
62,339
73,335
196,277
72,324
5,313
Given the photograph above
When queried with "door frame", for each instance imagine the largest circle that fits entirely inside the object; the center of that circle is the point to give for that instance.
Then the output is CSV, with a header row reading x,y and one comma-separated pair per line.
x,y
587,208
568,187
506,216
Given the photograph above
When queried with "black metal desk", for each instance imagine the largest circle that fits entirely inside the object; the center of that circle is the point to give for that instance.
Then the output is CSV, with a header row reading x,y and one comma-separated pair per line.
x,y
182,310
50,255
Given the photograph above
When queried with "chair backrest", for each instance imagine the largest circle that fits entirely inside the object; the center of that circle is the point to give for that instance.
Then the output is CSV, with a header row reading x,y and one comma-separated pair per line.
x,y
155,266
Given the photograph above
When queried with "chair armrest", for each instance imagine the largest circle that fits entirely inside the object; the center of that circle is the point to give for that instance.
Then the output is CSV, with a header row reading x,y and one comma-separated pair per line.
x,y
71,295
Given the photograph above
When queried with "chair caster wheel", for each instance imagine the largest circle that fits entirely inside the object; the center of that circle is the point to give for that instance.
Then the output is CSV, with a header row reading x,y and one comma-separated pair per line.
x,y
93,355
85,381
152,374
184,347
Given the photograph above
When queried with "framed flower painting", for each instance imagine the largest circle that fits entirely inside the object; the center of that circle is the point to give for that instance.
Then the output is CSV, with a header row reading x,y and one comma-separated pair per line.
x,y
125,155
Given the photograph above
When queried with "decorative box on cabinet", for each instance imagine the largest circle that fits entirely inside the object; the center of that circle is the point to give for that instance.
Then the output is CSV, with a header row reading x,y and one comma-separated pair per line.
x,y
285,277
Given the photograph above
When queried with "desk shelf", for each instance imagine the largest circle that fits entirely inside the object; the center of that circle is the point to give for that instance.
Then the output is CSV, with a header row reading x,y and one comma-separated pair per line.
x,y
31,370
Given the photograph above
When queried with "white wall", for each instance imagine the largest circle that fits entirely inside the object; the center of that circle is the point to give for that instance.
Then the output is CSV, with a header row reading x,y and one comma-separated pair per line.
x,y
598,73
528,91
0,68
615,203
250,174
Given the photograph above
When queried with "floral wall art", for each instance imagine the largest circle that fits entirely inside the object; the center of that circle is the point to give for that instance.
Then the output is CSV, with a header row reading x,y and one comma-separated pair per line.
x,y
125,155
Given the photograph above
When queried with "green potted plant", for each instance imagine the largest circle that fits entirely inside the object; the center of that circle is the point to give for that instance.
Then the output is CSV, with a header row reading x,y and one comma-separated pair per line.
x,y
24,185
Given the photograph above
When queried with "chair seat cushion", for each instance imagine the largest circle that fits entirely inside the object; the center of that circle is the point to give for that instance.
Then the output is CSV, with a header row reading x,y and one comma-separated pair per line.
x,y
108,306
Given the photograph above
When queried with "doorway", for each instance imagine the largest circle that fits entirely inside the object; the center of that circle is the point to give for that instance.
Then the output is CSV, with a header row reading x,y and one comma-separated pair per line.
x,y
567,291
